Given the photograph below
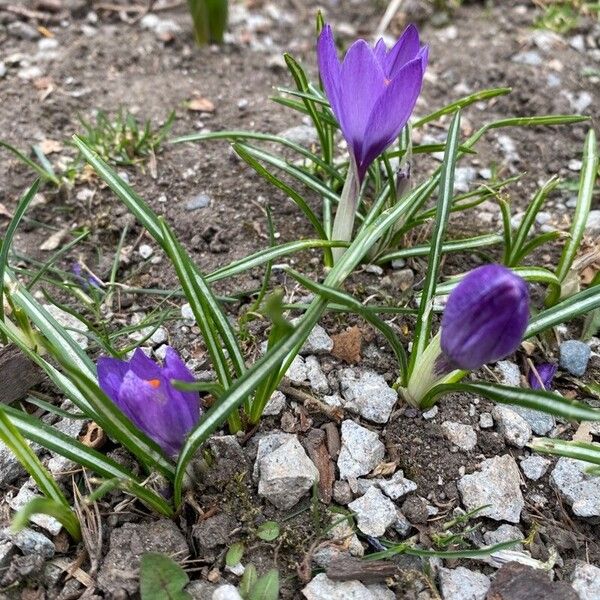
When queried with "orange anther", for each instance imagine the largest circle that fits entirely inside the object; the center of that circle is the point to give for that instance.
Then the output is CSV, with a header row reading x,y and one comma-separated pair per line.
x,y
154,382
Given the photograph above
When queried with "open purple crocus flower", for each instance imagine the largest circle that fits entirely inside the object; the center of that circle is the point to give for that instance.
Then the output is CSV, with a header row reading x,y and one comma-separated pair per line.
x,y
542,377
143,391
373,91
485,317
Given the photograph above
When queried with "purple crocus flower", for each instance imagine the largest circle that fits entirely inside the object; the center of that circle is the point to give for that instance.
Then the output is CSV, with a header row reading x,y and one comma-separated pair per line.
x,y
542,376
485,317
373,91
143,391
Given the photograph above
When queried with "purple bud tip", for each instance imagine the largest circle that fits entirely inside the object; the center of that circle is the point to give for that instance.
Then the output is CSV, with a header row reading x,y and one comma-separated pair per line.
x,y
541,376
373,91
143,391
485,317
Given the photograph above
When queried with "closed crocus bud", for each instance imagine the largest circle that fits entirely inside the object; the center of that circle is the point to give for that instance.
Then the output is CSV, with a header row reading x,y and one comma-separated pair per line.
x,y
142,389
541,376
485,317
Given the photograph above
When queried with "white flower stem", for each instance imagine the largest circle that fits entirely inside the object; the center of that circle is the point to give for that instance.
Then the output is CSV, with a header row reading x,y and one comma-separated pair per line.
x,y
343,223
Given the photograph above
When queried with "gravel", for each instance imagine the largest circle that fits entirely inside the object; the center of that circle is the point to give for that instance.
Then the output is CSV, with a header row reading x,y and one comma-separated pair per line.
x,y
374,512
286,474
586,581
497,483
578,488
460,435
361,450
367,395
318,342
534,467
463,584
514,428
323,588
574,357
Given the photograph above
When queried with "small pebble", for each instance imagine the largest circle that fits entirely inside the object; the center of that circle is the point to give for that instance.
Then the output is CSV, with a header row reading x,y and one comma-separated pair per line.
x,y
145,251
574,357
197,202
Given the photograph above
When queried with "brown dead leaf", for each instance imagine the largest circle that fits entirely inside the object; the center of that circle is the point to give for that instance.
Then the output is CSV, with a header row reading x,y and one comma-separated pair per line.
x,y
201,104
384,469
583,433
50,146
45,86
346,345
4,212
54,241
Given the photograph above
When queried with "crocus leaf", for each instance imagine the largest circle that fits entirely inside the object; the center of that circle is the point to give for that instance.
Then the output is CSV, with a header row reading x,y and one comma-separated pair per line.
x,y
234,554
586,451
161,578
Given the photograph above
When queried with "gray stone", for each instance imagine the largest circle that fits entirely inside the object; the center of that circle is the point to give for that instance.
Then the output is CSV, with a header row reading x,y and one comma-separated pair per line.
x,y
486,421
431,413
226,592
578,488
509,373
540,423
201,590
323,588
586,581
534,467
146,251
27,493
29,541
504,533
7,551
514,428
160,336
463,584
22,30
118,573
318,341
574,357
398,486
579,102
497,483
530,58
187,314
296,372
342,494
509,148
305,135
69,322
368,395
197,202
275,404
286,474
10,467
316,377
463,177
460,435
402,525
361,450
213,532
374,512
592,226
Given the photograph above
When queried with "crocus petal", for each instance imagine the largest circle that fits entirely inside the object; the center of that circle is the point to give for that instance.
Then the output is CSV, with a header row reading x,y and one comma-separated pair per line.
x,y
544,377
111,372
329,68
380,52
391,113
143,366
485,317
403,51
189,402
362,82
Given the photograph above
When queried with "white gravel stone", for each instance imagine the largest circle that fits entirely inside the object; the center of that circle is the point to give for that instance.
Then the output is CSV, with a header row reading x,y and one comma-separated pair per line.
x,y
70,323
160,336
275,404
318,342
509,372
460,435
29,541
504,533
297,371
486,421
367,395
305,135
397,486
323,588
586,581
286,474
463,584
374,512
146,251
361,450
497,483
226,592
46,522
540,422
592,226
514,428
187,314
316,377
578,488
534,467
431,413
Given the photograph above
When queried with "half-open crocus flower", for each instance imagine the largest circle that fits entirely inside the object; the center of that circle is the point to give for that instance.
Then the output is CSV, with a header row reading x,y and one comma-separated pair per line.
x,y
373,91
541,378
485,317
142,389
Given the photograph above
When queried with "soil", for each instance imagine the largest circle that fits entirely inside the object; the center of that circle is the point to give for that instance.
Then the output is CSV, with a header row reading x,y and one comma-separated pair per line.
x,y
105,60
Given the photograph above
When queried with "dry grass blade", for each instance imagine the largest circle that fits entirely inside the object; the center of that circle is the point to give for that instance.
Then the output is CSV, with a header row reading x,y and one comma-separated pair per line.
x,y
91,525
